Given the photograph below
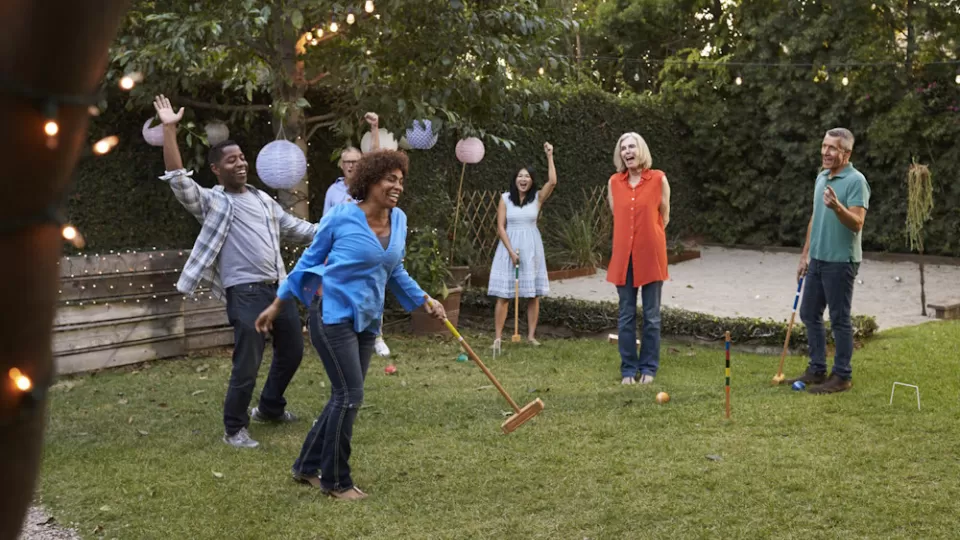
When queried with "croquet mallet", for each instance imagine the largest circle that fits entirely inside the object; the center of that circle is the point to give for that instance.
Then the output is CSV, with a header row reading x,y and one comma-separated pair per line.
x,y
520,416
516,301
778,378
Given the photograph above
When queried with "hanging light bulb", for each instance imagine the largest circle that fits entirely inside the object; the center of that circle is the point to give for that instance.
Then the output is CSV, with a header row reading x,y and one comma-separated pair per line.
x,y
350,18
540,71
368,7
106,144
334,26
845,81
738,80
51,128
309,36
957,80
318,32
126,83
21,381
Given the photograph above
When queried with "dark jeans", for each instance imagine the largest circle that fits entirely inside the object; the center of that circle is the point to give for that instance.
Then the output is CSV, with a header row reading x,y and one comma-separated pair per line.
x,y
648,361
244,304
346,358
829,284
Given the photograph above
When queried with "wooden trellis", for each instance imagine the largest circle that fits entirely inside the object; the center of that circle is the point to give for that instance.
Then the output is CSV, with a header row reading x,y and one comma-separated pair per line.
x,y
479,215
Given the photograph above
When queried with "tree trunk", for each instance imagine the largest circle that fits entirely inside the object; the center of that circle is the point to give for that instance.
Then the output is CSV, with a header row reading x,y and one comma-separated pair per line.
x,y
28,288
291,87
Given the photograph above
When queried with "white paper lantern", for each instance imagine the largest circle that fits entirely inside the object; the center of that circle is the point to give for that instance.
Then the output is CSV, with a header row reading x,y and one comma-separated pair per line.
x,y
281,164
153,135
404,144
421,136
470,150
217,132
387,141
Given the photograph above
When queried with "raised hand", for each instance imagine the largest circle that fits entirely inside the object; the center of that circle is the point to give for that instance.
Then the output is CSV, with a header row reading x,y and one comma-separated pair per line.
x,y
165,111
372,119
548,148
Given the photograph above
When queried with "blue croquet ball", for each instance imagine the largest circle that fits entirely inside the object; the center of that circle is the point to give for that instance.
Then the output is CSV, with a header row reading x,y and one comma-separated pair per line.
x,y
462,358
799,386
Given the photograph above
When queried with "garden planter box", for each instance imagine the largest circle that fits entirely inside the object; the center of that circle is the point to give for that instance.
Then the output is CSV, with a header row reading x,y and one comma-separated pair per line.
x,y
685,255
423,324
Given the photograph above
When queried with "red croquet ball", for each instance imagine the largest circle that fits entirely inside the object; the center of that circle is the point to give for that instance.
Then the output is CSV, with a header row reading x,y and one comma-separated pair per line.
x,y
390,369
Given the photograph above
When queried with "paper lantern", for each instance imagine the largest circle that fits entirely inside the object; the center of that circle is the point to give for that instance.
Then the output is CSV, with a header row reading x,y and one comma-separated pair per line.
x,y
404,144
421,136
470,150
281,164
217,132
153,135
387,141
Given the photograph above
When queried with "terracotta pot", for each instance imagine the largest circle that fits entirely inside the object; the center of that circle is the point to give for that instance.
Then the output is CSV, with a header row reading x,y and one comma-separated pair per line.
x,y
422,324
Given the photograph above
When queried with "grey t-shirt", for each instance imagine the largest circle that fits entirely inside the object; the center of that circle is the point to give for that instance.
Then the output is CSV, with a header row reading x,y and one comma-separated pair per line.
x,y
248,254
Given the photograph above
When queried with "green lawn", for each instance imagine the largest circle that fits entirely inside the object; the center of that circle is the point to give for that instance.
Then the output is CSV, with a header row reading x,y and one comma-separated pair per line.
x,y
137,453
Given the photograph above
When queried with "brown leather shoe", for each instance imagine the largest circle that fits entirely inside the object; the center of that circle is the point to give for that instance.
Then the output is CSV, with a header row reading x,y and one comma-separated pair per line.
x,y
808,378
834,384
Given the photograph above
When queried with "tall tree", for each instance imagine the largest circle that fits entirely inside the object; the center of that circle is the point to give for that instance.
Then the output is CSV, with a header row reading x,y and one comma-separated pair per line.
x,y
450,61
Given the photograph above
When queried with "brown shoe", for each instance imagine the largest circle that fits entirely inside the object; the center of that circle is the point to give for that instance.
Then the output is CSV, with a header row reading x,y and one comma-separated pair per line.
x,y
834,384
808,378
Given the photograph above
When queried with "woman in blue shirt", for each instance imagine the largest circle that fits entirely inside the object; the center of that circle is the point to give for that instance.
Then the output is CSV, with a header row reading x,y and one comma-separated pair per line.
x,y
363,246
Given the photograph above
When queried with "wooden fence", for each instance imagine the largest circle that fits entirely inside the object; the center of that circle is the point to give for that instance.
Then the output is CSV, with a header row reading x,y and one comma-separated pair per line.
x,y
123,308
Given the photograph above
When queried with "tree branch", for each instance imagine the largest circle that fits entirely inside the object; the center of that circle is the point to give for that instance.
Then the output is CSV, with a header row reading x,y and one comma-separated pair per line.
x,y
223,108
318,126
321,118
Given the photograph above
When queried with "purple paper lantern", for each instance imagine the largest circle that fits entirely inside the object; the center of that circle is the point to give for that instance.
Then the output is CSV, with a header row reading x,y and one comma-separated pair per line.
x,y
470,150
281,164
421,135
153,135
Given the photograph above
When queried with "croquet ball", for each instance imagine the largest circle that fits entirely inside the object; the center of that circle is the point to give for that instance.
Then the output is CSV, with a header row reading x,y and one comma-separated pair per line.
x,y
799,386
897,279
663,397
462,358
390,369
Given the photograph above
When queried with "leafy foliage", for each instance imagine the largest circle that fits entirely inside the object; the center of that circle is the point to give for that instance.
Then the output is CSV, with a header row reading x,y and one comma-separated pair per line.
x,y
424,262
585,317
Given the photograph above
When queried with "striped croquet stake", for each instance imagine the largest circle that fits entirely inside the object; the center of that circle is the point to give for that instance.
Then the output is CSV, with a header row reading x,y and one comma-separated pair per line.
x,y
726,336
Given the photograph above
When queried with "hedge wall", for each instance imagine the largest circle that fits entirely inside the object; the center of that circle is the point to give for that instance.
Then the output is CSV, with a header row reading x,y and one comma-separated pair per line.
x,y
120,204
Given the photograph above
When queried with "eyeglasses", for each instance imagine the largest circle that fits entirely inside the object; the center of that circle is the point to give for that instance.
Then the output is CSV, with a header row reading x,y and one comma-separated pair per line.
x,y
353,162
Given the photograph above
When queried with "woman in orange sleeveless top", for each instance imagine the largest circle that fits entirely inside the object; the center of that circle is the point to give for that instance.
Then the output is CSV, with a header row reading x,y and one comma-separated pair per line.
x,y
640,200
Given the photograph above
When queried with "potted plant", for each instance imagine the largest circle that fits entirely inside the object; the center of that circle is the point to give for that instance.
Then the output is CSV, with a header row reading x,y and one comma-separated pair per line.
x,y
428,266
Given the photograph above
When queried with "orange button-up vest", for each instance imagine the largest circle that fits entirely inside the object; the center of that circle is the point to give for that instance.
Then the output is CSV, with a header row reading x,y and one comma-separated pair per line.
x,y
638,229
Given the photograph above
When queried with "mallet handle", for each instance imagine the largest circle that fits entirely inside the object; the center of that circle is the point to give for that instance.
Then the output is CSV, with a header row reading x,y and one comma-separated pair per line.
x,y
476,359
793,315
726,336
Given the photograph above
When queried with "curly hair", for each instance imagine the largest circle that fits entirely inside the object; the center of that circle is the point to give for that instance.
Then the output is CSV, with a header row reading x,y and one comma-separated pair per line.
x,y
373,167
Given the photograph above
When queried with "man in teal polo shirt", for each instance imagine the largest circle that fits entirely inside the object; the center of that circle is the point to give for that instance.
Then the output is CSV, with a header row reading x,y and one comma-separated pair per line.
x,y
840,201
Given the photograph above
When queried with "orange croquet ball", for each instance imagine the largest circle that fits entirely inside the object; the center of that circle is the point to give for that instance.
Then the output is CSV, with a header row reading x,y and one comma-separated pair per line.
x,y
663,397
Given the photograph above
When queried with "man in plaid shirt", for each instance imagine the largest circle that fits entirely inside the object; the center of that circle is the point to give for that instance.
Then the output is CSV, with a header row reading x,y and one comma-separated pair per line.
x,y
238,255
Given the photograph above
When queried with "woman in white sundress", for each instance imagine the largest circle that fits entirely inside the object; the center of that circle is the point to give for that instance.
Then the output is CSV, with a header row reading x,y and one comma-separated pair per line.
x,y
517,228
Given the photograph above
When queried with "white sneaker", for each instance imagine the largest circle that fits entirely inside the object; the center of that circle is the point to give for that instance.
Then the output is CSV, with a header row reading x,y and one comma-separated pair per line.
x,y
240,439
380,347
646,379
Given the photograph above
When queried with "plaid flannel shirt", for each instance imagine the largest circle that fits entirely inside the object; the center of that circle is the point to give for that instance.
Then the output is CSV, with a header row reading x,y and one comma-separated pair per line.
x,y
214,210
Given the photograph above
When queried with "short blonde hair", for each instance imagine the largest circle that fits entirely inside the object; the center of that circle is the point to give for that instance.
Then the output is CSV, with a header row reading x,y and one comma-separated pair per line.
x,y
646,160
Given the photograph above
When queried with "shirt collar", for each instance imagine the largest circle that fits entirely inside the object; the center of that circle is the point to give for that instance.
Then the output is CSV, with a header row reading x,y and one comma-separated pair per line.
x,y
843,172
645,175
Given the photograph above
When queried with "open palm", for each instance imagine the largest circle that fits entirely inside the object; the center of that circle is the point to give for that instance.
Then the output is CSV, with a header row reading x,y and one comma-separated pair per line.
x,y
165,110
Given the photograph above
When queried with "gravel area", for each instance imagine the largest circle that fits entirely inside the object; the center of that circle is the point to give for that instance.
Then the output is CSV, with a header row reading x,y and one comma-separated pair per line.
x,y
38,525
737,282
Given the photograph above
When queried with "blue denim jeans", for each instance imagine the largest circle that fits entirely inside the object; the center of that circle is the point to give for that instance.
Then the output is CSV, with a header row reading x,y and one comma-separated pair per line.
x,y
648,360
346,358
829,284
244,304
